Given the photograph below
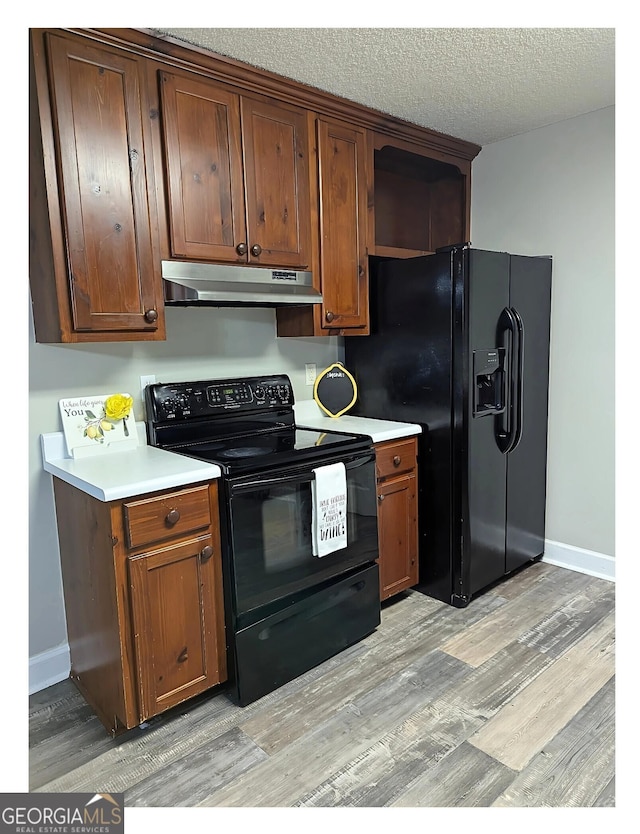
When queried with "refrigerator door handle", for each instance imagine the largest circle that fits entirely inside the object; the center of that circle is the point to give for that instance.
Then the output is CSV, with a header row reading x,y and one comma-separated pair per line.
x,y
518,406
506,423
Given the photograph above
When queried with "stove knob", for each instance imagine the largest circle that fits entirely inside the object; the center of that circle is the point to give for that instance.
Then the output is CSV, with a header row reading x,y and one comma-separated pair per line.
x,y
259,392
270,392
169,407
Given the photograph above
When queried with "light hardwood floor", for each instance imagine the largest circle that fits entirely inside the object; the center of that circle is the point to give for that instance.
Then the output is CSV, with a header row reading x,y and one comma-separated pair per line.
x,y
509,702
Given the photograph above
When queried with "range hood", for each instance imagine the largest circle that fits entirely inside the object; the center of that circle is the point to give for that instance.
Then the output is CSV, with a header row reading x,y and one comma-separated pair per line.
x,y
234,286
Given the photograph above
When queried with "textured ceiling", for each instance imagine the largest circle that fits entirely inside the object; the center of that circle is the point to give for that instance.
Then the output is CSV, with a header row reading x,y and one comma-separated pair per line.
x,y
481,85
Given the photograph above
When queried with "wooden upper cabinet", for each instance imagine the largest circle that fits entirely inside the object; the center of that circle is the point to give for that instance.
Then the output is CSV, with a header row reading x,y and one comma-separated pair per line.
x,y
236,175
341,245
110,282
203,154
421,198
343,219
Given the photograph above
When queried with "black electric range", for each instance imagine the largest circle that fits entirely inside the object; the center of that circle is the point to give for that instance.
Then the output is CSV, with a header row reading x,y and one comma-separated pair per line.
x,y
286,609
243,425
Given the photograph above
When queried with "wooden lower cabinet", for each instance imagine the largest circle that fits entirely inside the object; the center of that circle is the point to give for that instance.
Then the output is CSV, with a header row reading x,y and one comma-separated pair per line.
x,y
142,583
397,515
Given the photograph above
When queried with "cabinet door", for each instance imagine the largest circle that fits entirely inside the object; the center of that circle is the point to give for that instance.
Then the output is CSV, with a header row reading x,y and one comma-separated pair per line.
x,y
397,534
343,223
176,602
276,168
203,157
115,282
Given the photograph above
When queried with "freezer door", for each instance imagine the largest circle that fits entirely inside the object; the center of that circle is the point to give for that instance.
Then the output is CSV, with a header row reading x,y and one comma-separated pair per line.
x,y
483,466
530,297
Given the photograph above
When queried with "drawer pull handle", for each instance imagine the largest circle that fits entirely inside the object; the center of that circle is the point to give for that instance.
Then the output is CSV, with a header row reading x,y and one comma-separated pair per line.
x,y
397,460
206,553
173,517
184,655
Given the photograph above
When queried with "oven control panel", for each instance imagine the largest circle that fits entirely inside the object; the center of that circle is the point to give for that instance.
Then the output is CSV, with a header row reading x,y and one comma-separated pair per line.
x,y
186,400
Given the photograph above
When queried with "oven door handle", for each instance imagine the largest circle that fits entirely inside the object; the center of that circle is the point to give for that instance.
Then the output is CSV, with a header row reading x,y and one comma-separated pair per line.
x,y
303,477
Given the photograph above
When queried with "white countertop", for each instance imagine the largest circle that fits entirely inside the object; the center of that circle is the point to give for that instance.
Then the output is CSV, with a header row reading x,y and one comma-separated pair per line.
x,y
310,415
143,469
124,474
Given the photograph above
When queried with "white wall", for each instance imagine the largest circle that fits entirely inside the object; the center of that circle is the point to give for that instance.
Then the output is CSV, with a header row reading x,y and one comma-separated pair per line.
x,y
201,344
551,192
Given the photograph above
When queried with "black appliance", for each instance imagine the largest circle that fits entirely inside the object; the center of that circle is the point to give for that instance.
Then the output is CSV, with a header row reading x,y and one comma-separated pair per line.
x,y
460,344
286,610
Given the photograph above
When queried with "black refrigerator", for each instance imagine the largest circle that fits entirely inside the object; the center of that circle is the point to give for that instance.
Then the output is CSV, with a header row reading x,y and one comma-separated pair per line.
x,y
460,345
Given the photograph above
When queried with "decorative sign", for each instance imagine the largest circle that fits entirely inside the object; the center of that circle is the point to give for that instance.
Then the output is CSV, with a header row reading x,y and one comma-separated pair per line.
x,y
335,390
97,424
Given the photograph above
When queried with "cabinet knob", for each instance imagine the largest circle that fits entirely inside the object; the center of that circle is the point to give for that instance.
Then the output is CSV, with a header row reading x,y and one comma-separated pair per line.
x,y
151,316
397,460
184,655
256,249
241,248
329,316
173,516
206,553
380,499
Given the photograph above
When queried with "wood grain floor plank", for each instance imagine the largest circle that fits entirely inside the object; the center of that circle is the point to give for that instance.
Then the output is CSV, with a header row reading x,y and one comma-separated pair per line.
x,y
513,586
383,771
52,698
489,687
575,767
475,645
465,778
74,742
184,782
561,628
302,765
361,728
295,715
607,797
526,723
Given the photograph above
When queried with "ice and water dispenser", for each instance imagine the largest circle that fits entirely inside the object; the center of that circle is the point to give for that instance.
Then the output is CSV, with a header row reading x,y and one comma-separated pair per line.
x,y
488,381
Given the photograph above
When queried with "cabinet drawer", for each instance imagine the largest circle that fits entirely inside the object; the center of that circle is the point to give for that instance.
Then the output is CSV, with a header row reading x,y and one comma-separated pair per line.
x,y
395,457
173,514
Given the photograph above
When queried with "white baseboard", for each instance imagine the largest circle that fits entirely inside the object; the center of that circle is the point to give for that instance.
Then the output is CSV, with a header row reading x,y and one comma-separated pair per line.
x,y
49,667
579,559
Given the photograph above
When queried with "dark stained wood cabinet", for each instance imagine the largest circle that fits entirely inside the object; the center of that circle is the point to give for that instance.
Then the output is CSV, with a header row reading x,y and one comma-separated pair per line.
x,y
342,262
397,515
142,582
237,178
174,611
144,149
421,198
94,271
203,159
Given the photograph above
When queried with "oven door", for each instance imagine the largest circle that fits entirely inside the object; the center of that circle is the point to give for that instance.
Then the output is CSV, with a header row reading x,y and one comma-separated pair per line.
x,y
269,524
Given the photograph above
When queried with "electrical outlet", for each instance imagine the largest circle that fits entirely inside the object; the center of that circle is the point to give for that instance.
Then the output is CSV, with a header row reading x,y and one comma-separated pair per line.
x,y
144,381
310,373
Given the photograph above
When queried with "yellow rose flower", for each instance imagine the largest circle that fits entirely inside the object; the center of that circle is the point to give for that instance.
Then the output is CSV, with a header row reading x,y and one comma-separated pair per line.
x,y
117,406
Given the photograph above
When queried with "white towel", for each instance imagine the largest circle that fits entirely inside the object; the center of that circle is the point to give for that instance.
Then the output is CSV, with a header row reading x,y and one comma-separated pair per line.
x,y
329,516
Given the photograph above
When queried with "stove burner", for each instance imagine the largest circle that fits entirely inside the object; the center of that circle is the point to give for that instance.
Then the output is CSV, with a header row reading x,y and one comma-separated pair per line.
x,y
245,452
